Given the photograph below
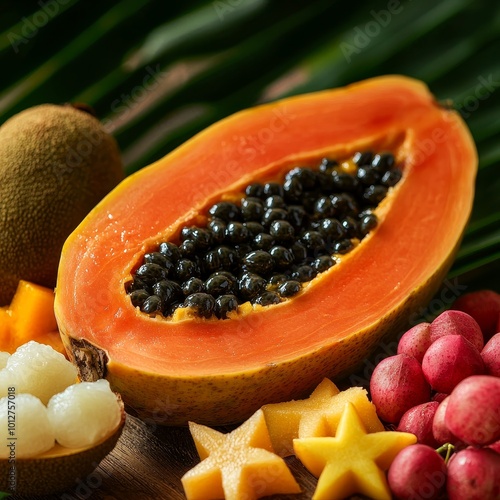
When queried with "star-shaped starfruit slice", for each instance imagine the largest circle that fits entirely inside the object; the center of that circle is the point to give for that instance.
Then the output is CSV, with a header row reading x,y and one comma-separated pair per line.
x,y
353,461
239,464
317,415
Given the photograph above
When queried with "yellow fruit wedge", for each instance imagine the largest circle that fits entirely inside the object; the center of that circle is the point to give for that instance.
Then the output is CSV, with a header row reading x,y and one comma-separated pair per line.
x,y
5,330
317,415
30,316
32,311
237,465
354,461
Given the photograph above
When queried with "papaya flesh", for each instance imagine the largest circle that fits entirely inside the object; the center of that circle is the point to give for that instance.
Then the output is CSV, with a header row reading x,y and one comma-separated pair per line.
x,y
220,371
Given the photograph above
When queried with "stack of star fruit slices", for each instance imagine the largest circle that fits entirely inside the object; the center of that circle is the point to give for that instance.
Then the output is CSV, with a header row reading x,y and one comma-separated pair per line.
x,y
335,434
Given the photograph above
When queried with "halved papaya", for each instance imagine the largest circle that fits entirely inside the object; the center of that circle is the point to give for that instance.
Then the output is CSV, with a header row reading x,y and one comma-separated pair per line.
x,y
220,371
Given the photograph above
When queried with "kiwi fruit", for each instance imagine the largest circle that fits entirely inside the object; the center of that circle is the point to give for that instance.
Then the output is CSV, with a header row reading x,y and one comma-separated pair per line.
x,y
56,163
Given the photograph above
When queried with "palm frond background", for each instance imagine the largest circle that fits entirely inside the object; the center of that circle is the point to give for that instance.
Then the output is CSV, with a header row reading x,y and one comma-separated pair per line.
x,y
158,72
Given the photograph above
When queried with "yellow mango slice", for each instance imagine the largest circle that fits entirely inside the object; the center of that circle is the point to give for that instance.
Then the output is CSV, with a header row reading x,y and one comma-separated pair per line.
x,y
352,462
236,465
5,330
32,310
30,316
317,415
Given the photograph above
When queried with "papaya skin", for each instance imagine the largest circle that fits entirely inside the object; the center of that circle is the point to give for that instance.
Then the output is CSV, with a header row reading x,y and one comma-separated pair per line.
x,y
56,163
219,372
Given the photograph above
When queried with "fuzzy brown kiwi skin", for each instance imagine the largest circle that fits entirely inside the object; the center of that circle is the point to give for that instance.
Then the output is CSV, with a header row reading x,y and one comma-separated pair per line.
x,y
56,163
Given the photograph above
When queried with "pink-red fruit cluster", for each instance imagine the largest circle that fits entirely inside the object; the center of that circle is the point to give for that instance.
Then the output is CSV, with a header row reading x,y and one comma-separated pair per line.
x,y
484,307
443,385
432,358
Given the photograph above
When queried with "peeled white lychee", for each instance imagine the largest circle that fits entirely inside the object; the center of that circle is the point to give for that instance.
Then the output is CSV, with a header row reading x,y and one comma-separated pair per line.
x,y
25,430
84,414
